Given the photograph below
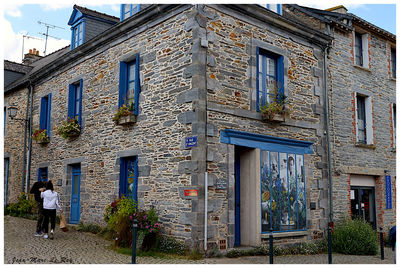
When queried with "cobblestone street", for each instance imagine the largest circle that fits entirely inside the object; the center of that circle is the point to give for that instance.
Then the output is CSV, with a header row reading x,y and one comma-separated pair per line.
x,y
21,246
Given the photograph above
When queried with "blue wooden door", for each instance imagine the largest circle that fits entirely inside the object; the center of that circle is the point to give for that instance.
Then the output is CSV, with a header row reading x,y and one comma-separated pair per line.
x,y
237,199
75,195
129,178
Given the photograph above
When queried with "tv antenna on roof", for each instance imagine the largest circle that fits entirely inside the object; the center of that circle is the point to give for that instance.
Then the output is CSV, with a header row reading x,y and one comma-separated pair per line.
x,y
47,33
23,39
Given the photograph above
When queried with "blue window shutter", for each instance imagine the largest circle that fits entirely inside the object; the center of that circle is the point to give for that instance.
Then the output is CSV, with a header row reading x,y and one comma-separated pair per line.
x,y
48,114
43,113
71,101
80,102
39,173
257,81
279,9
122,82
137,84
280,74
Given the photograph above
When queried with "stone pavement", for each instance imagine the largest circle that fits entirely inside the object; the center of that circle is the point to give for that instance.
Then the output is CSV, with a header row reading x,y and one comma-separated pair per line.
x,y
21,246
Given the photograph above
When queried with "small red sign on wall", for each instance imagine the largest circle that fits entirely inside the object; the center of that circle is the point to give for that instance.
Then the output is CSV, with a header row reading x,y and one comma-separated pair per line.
x,y
191,192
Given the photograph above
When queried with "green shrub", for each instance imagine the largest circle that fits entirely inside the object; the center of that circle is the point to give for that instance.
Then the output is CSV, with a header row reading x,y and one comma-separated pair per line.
x,y
355,237
25,207
90,228
234,253
171,246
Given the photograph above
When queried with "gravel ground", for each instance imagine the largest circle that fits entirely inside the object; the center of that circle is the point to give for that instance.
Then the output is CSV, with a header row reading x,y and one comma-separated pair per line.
x,y
21,246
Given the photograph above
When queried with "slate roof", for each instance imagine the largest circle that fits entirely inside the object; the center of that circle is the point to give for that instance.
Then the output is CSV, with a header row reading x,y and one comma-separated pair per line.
x,y
17,67
96,14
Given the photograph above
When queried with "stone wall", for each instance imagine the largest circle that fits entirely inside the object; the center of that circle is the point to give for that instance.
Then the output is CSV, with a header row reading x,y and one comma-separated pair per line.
x,y
14,142
231,88
156,138
348,158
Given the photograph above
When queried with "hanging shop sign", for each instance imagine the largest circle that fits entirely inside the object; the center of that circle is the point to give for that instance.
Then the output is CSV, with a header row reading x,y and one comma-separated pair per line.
x,y
388,192
191,192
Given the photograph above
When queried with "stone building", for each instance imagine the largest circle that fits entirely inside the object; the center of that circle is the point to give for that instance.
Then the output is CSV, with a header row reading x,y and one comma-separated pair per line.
x,y
362,100
196,148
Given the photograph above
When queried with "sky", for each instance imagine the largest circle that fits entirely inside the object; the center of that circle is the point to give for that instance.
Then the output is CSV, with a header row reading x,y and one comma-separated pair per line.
x,y
21,19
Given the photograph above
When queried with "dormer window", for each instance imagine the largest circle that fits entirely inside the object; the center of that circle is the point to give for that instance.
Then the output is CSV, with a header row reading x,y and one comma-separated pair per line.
x,y
128,10
277,8
77,35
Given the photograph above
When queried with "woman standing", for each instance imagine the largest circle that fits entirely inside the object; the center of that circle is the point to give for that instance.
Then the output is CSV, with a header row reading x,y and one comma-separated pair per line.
x,y
50,205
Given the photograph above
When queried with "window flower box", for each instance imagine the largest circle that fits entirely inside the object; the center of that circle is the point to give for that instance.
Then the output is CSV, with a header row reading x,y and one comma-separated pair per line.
x,y
125,115
276,110
40,136
69,129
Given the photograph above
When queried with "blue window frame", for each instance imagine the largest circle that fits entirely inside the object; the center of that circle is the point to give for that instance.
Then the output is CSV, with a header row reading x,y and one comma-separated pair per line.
x,y
358,49
283,192
45,111
128,177
75,101
77,35
277,8
270,76
393,62
128,10
361,120
129,84
43,174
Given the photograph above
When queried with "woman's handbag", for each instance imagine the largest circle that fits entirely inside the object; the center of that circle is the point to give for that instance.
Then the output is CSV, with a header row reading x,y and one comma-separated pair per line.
x,y
63,223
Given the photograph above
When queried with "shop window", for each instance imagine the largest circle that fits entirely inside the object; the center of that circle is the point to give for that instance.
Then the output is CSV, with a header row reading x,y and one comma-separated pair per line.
x,y
128,177
283,192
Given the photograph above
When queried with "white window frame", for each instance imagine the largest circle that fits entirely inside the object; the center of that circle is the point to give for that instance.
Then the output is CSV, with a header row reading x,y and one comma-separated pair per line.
x,y
394,124
369,131
365,50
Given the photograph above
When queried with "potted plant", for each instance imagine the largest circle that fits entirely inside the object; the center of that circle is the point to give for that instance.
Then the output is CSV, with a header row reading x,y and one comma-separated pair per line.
x,y
69,128
125,115
40,136
276,110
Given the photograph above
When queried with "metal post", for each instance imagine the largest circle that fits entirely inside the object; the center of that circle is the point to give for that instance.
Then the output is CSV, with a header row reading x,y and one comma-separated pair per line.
x,y
329,244
134,241
271,247
381,238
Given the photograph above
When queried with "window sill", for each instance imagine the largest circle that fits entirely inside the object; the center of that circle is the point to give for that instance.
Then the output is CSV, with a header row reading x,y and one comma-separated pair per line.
x,y
367,146
362,68
286,234
392,79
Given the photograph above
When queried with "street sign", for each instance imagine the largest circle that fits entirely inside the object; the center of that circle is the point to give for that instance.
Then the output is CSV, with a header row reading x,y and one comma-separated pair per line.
x,y
191,142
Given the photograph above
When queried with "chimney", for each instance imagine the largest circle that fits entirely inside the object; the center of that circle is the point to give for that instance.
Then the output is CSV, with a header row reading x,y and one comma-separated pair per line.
x,y
338,9
31,57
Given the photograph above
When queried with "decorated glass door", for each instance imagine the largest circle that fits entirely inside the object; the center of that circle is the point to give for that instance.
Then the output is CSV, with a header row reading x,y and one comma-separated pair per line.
x,y
283,192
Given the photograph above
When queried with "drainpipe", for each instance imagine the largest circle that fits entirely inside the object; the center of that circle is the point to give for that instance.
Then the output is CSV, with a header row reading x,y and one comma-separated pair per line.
x,y
327,121
25,136
28,166
205,209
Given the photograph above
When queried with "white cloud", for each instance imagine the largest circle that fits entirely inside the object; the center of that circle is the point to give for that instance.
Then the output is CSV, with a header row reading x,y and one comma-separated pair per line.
x,y
326,5
116,8
12,9
13,43
55,6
